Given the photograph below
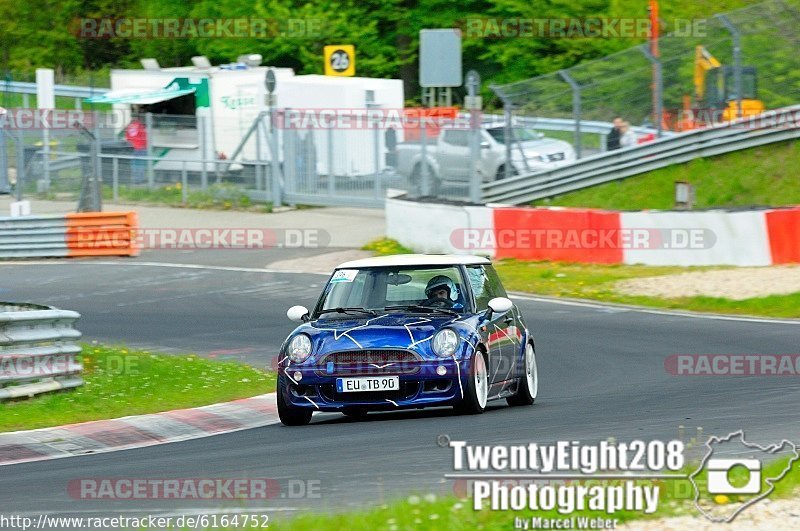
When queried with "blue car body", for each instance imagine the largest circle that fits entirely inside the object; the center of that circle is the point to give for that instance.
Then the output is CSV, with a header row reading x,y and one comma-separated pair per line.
x,y
399,343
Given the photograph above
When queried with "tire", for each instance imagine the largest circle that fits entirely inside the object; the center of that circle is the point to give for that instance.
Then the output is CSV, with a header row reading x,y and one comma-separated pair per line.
x,y
289,415
528,385
416,180
355,412
476,392
501,173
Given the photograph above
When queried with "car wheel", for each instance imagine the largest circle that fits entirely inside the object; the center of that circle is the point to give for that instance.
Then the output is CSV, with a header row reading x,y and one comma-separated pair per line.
x,y
290,415
501,173
354,412
416,180
528,385
476,393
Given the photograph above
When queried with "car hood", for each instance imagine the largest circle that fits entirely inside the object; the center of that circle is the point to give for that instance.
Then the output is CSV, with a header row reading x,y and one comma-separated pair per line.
x,y
385,331
544,146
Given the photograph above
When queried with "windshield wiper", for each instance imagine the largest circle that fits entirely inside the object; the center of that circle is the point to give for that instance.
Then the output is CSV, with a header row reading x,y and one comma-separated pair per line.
x,y
348,310
418,307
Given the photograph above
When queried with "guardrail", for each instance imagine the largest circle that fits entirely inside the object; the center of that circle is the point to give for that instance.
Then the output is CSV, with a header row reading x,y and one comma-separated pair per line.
x,y
68,91
38,350
68,235
615,165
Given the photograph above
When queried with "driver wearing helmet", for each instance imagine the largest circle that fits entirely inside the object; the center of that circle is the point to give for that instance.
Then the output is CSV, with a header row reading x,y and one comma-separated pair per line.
x,y
441,292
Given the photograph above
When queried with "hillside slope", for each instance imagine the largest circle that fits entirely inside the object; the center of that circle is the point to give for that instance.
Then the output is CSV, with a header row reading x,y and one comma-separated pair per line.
x,y
766,175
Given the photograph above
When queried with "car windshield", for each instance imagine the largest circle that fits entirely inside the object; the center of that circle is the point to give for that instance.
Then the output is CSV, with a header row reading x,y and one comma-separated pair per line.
x,y
392,289
521,134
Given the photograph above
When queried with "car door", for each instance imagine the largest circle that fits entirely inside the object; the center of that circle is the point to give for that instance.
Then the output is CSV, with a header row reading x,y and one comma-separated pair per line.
x,y
453,155
508,335
500,328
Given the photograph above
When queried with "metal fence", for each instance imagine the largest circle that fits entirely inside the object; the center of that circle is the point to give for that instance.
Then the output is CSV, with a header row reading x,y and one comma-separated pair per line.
x,y
775,126
229,162
275,157
38,350
657,90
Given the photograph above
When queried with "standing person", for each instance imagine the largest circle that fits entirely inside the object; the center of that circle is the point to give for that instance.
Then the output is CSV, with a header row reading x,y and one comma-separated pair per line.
x,y
627,137
612,140
136,135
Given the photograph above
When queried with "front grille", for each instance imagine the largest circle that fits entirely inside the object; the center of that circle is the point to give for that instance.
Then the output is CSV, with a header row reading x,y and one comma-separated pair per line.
x,y
369,362
407,390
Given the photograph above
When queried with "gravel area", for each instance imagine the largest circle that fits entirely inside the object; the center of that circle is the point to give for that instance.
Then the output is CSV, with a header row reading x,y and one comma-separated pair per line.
x,y
736,284
777,515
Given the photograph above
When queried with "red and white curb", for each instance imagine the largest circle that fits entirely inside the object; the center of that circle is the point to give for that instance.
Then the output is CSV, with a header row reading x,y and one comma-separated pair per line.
x,y
137,431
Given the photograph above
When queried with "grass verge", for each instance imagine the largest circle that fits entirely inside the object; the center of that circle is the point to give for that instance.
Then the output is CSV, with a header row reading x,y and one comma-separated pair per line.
x,y
596,282
386,247
216,197
121,382
427,512
758,176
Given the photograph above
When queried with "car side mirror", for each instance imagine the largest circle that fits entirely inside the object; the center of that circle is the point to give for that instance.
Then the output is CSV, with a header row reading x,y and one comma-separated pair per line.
x,y
498,305
298,314
485,145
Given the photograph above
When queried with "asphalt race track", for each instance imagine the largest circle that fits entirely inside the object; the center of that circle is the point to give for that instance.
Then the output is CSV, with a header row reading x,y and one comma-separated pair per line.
x,y
601,375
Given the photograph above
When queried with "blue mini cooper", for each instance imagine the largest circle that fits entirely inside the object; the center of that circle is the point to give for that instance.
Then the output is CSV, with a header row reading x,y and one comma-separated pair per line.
x,y
406,331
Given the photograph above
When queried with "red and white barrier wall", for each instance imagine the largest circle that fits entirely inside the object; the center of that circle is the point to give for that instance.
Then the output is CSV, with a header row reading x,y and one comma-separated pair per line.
x,y
427,227
715,237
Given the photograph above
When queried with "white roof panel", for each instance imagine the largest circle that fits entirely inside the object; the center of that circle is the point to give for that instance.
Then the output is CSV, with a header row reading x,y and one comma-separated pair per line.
x,y
413,259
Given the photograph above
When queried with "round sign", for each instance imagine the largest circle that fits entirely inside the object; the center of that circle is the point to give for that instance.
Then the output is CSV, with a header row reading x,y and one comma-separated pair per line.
x,y
473,78
271,81
340,60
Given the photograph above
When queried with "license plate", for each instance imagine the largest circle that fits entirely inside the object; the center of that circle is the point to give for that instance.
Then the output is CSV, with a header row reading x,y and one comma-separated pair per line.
x,y
360,385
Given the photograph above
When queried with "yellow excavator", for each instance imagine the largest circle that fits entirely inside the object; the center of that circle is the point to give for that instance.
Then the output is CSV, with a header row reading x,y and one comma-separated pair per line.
x,y
715,87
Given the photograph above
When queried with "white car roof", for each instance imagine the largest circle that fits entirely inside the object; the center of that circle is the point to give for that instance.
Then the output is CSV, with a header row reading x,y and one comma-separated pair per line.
x,y
414,259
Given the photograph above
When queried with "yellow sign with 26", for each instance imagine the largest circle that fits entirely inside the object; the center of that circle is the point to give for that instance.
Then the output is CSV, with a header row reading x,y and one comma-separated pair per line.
x,y
340,60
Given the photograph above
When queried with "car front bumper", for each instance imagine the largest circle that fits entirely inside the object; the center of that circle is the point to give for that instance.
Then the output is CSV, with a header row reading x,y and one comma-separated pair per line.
x,y
423,387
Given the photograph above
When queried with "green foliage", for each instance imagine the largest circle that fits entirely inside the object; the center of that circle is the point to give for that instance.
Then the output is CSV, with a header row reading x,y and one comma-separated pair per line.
x,y
44,33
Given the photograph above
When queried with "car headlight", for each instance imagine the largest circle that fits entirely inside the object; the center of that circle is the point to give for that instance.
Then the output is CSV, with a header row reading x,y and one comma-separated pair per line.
x,y
445,343
299,348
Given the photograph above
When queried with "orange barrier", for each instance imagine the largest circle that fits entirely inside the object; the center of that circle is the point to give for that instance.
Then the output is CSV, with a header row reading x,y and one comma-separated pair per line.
x,y
101,234
573,235
783,228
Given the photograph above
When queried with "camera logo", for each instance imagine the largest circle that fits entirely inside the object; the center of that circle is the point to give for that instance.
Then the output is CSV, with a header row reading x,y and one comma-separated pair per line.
x,y
720,472
725,484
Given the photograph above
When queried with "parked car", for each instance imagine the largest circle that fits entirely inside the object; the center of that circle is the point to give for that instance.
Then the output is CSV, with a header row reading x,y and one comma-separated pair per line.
x,y
448,159
406,331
